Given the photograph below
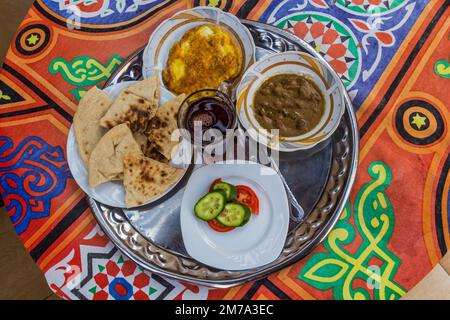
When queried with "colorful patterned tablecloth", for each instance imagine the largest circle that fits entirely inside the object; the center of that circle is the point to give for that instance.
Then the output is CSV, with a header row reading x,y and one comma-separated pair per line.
x,y
394,59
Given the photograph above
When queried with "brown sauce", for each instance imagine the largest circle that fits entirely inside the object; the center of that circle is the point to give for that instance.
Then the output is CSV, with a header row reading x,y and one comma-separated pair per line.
x,y
292,103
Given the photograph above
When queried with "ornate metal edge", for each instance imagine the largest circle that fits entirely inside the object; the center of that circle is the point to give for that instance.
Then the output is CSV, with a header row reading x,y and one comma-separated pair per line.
x,y
298,244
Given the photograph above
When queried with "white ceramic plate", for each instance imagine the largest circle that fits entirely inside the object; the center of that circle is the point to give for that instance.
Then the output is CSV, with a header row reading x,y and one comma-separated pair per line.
x,y
172,30
298,63
257,243
111,193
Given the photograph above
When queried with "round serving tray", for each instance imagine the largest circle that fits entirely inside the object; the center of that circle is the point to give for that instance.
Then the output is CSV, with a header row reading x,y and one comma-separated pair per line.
x,y
318,179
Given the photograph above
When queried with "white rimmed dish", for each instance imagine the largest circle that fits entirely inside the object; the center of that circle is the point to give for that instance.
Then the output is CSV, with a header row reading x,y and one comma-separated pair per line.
x,y
257,243
172,30
297,63
111,193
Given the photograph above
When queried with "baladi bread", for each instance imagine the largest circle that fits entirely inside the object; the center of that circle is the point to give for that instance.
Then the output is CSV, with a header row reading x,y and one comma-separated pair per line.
x,y
164,124
148,89
135,105
145,178
149,148
130,109
141,139
106,161
91,109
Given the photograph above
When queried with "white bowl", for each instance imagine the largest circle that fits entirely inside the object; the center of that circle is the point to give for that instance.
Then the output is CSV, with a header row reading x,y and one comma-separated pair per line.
x,y
298,63
172,30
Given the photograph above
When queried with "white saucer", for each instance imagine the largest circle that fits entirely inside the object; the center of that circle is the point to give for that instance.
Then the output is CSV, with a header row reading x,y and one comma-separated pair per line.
x,y
257,243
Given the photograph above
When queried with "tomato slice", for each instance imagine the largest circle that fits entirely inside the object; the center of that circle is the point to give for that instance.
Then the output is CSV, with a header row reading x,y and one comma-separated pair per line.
x,y
245,195
217,226
213,183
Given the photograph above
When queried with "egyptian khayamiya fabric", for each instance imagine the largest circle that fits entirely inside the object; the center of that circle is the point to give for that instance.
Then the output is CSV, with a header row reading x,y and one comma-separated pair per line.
x,y
393,57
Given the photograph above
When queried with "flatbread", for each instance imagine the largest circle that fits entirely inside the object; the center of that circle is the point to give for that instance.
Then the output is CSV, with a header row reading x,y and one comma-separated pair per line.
x,y
106,161
135,105
130,109
91,109
149,148
148,89
164,124
141,139
145,178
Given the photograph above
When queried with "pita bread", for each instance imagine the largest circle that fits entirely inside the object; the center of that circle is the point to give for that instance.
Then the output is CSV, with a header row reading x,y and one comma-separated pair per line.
x,y
148,89
91,109
149,148
130,109
145,178
141,139
106,161
164,124
135,105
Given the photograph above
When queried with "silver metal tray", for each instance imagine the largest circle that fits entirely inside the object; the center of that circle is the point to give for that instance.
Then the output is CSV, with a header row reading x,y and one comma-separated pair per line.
x,y
319,179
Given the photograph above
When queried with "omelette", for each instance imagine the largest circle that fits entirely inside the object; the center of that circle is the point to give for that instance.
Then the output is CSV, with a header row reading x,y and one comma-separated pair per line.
x,y
205,56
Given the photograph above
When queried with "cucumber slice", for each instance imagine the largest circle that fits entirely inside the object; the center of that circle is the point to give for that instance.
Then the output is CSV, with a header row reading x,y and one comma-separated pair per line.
x,y
229,189
234,215
210,205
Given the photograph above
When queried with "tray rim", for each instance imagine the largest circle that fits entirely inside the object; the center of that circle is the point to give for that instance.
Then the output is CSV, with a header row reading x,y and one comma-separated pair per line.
x,y
311,244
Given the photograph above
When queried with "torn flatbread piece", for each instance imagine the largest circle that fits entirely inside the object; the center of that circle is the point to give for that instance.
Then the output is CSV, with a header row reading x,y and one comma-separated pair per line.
x,y
130,109
135,105
145,178
149,148
163,125
106,161
141,139
148,89
91,109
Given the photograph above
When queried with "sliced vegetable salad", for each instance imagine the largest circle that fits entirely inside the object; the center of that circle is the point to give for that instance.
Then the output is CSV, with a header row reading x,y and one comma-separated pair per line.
x,y
226,206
